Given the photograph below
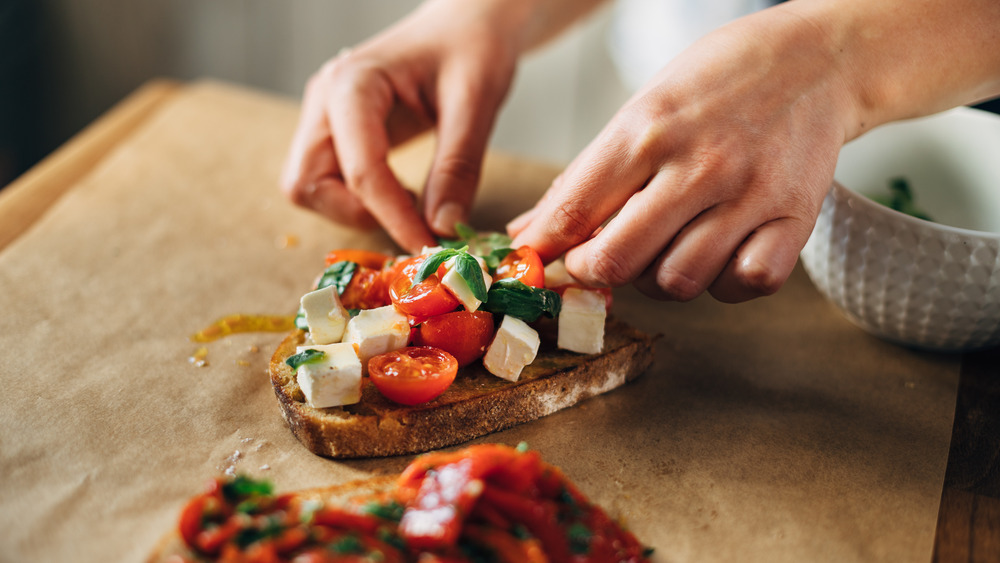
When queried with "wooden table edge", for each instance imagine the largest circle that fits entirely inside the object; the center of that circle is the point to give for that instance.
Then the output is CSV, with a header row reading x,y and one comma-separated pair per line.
x,y
26,199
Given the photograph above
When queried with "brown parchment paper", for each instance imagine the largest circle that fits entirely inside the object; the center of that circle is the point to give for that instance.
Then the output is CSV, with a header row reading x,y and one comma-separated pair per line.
x,y
767,431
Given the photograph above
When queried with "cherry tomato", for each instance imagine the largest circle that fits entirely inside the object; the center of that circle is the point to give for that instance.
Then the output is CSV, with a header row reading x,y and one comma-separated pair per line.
x,y
366,258
190,520
414,374
463,334
425,299
366,290
523,264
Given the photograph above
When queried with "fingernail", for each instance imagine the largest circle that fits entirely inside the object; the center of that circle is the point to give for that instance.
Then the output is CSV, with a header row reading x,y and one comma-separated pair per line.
x,y
446,217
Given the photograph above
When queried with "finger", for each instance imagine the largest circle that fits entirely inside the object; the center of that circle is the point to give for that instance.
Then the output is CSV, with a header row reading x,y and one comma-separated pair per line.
x,y
637,235
595,185
466,116
763,263
357,120
698,254
310,175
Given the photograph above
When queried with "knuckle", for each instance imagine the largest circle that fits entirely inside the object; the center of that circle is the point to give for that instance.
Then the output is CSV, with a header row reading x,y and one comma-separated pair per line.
x,y
608,268
570,221
677,285
461,170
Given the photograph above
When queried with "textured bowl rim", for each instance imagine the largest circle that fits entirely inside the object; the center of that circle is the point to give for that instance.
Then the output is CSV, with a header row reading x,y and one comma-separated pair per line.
x,y
872,204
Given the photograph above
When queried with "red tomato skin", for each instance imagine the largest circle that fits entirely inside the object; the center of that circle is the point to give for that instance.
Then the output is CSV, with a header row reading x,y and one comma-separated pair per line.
x,y
366,290
425,299
463,334
366,258
524,265
413,375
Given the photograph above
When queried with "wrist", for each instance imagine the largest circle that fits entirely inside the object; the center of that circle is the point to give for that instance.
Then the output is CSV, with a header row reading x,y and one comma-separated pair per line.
x,y
908,58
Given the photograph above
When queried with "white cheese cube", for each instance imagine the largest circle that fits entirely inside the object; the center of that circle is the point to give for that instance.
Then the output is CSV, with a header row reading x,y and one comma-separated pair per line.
x,y
377,331
325,315
333,381
556,274
581,321
514,346
458,287
428,250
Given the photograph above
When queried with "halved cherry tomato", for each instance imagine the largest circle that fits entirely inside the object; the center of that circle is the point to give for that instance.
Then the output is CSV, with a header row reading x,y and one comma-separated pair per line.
x,y
425,299
523,264
366,258
414,374
605,291
366,290
463,334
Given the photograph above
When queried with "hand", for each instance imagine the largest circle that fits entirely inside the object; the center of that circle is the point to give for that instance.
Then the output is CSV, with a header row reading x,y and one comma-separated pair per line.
x,y
712,176
449,66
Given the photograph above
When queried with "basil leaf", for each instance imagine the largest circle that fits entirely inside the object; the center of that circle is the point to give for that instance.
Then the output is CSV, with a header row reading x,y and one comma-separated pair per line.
x,y
512,297
309,356
495,256
338,275
468,267
242,486
479,244
465,232
434,261
300,320
451,243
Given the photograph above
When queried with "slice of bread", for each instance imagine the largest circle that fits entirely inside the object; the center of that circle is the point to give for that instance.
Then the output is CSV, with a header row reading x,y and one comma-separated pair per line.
x,y
477,404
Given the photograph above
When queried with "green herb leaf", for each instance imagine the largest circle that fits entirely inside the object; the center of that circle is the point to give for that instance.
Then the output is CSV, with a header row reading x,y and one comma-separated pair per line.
x,y
300,320
434,261
338,275
901,199
465,232
512,297
468,267
242,486
496,256
579,538
309,356
391,510
349,545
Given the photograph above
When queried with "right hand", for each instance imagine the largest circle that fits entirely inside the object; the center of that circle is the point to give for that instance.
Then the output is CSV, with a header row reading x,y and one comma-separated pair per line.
x,y
449,66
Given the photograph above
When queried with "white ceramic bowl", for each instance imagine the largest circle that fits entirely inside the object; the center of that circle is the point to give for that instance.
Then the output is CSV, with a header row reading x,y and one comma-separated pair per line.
x,y
932,285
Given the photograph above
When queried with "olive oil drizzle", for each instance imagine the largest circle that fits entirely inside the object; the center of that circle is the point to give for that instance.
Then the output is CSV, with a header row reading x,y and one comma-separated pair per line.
x,y
239,322
234,324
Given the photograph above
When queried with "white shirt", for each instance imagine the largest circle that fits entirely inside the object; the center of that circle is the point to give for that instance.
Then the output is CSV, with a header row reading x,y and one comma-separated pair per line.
x,y
646,34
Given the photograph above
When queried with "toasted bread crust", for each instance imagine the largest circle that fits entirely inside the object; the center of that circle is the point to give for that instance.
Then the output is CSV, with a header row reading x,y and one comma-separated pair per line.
x,y
477,404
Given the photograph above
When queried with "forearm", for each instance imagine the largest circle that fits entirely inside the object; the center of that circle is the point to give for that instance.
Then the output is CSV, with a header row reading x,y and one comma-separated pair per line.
x,y
907,58
527,23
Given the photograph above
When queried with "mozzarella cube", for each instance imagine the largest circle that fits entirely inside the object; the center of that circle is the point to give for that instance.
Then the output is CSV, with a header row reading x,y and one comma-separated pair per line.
x,y
514,346
581,321
556,274
333,381
458,287
325,315
377,331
